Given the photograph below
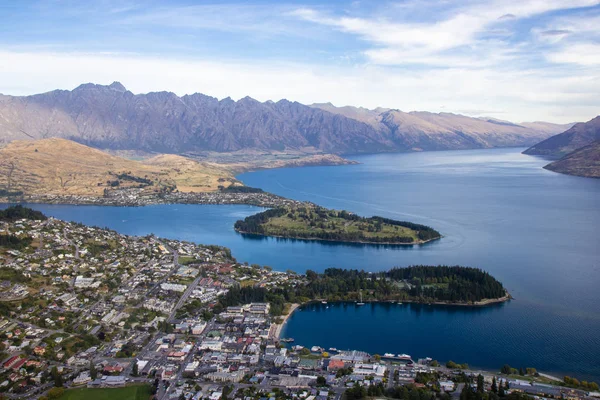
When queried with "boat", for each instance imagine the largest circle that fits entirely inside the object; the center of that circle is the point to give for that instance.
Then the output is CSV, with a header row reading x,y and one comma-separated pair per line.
x,y
404,357
287,340
360,303
333,349
389,355
324,302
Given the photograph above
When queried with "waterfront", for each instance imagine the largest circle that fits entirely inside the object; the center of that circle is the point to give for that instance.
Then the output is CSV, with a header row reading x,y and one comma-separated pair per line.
x,y
534,230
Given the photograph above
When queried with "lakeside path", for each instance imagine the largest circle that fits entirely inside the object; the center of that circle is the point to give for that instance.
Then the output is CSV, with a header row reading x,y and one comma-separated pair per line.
x,y
278,327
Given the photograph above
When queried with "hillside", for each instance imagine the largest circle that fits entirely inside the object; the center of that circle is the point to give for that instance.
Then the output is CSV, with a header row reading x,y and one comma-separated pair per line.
x,y
111,117
420,130
577,136
582,162
63,167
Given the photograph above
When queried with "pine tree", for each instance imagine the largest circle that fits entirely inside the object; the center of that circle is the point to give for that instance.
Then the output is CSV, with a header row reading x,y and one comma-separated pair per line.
x,y
494,385
57,377
93,371
134,369
480,384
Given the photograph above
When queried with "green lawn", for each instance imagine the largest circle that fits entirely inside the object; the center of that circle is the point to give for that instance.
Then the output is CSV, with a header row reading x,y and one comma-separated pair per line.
x,y
284,223
135,392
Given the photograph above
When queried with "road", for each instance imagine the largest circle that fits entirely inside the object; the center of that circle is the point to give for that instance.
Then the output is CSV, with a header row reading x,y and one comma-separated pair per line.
x,y
184,297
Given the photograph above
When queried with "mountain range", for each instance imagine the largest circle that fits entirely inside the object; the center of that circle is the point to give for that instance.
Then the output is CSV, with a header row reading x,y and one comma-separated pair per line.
x,y
111,117
578,146
577,136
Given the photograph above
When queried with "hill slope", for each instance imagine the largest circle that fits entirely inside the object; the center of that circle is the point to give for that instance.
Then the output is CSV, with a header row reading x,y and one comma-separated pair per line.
x,y
420,130
584,161
579,135
63,167
111,117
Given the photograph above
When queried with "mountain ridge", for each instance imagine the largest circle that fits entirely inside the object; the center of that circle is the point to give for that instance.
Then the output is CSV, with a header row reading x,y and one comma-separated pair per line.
x,y
112,117
584,162
579,135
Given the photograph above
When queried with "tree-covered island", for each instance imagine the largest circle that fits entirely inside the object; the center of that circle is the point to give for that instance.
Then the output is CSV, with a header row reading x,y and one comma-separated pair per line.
x,y
312,222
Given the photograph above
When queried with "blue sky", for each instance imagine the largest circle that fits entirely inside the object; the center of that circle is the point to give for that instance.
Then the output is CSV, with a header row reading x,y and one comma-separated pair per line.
x,y
519,60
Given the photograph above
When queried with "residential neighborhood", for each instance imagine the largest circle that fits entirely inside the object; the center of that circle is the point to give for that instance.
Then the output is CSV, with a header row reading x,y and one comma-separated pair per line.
x,y
88,307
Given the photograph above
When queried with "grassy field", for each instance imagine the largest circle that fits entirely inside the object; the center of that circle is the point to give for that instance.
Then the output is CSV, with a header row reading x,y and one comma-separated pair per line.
x,y
336,224
318,223
136,392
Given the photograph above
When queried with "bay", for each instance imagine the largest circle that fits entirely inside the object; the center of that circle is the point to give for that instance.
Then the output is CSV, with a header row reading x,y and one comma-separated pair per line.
x,y
535,230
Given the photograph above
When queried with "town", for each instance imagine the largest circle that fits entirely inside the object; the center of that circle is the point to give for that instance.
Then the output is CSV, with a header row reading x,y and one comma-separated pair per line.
x,y
86,307
142,197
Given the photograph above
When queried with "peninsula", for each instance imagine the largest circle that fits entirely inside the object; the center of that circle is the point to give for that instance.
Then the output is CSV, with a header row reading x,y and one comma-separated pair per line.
x,y
78,301
447,285
312,222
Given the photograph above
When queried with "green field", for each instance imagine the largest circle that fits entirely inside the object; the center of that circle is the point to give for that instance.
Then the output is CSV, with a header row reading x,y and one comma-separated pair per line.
x,y
317,223
135,392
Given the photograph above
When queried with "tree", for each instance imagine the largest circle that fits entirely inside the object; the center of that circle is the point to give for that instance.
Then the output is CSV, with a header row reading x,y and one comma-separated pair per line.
x,y
304,351
57,377
494,385
521,371
506,369
93,371
480,384
377,357
134,368
321,381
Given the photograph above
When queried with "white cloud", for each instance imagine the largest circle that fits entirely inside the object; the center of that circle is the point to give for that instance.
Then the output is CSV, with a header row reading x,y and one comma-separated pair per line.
x,y
587,54
465,29
518,95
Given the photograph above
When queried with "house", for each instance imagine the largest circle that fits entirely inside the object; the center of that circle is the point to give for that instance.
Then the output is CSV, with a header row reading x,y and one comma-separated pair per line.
x,y
334,365
369,369
114,381
446,386
112,369
82,378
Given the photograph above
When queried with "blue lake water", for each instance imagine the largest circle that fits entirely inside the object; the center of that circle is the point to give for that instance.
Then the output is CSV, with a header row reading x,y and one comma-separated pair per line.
x,y
535,230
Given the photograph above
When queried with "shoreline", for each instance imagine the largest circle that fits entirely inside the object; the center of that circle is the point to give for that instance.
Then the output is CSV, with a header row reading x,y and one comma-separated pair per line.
x,y
481,303
418,243
279,327
276,335
128,198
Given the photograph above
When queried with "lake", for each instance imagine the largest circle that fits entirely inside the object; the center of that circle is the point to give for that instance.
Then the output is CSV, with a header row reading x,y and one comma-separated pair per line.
x,y
534,230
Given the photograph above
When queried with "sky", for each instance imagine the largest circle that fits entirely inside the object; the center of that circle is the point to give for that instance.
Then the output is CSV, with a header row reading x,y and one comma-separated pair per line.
x,y
517,60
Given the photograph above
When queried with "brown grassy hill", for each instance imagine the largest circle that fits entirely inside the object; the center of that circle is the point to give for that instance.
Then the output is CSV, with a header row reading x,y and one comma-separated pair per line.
x,y
190,175
63,167
582,162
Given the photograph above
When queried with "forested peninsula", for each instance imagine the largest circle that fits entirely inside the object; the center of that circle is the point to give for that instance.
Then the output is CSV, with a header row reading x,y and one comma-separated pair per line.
x,y
312,222
454,285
